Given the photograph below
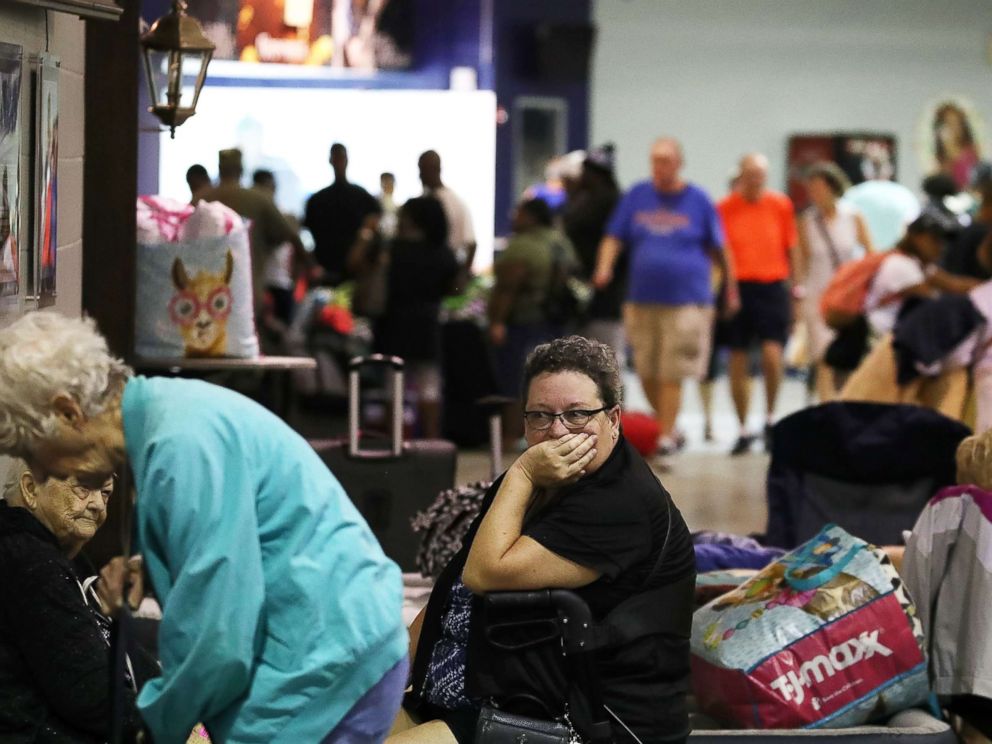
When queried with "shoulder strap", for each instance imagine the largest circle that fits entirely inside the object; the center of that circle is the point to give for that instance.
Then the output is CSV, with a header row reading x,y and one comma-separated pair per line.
x,y
639,616
822,225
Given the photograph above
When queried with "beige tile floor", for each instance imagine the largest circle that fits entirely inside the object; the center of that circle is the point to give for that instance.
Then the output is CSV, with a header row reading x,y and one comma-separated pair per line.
x,y
713,490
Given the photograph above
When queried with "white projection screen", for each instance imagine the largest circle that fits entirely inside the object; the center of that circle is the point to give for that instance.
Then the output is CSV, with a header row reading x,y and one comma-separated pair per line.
x,y
290,130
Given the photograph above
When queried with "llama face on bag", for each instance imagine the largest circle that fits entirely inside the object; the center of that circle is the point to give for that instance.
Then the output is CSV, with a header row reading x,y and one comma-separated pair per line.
x,y
200,307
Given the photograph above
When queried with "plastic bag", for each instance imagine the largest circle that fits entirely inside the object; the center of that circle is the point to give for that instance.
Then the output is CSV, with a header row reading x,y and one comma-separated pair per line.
x,y
824,637
194,282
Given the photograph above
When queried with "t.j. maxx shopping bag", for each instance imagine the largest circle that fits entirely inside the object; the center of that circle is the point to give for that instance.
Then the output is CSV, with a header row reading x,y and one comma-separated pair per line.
x,y
824,637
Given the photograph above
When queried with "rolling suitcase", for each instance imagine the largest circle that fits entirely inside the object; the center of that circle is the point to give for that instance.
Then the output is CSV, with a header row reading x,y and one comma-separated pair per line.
x,y
388,485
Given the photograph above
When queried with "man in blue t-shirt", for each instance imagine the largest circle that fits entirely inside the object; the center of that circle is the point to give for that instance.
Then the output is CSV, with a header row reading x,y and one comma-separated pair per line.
x,y
674,236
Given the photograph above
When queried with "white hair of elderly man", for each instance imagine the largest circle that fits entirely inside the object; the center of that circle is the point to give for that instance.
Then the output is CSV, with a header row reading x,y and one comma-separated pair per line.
x,y
42,355
10,477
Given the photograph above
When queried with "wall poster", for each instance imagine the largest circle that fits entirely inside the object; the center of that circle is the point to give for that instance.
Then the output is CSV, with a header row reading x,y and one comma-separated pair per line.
x,y
10,162
364,35
952,139
863,156
46,163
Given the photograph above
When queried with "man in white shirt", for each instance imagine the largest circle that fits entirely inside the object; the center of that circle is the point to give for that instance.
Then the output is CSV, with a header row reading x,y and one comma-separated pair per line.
x,y
461,234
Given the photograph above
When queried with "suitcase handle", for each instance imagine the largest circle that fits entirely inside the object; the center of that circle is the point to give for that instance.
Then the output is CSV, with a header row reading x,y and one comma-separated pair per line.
x,y
395,364
381,360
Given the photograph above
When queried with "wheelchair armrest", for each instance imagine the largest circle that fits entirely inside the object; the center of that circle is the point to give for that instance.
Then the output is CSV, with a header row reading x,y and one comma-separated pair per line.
x,y
533,600
575,621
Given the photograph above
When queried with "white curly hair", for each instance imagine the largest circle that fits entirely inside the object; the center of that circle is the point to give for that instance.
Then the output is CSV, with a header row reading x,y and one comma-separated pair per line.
x,y
42,355
974,460
11,469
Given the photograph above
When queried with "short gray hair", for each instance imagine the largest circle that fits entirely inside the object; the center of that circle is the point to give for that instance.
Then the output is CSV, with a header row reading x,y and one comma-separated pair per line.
x,y
42,355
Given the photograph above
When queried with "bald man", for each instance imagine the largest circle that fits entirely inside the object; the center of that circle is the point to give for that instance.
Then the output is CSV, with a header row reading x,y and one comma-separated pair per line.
x,y
673,235
761,235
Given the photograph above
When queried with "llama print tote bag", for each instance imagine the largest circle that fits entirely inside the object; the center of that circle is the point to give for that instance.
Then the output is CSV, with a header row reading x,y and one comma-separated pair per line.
x,y
194,282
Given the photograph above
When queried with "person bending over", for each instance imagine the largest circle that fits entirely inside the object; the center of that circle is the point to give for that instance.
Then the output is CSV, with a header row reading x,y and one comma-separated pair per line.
x,y
281,617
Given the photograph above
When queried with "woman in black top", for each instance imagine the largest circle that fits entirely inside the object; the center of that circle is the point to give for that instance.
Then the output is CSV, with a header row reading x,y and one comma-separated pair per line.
x,y
579,510
420,270
54,646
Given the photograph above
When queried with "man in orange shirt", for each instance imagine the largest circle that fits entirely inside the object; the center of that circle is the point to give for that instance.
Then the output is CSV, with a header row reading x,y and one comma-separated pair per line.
x,y
760,226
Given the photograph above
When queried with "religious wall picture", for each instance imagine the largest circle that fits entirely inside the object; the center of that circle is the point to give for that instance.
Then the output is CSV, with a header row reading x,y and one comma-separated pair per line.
x,y
863,156
951,139
10,161
46,160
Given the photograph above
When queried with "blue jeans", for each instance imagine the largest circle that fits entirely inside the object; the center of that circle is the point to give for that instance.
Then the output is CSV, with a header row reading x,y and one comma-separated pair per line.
x,y
371,718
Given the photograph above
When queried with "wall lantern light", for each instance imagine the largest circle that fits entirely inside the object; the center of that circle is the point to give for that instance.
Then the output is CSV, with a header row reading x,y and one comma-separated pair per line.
x,y
174,47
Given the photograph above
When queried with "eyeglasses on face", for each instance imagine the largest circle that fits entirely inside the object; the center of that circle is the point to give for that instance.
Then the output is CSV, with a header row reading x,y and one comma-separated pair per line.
x,y
573,419
185,307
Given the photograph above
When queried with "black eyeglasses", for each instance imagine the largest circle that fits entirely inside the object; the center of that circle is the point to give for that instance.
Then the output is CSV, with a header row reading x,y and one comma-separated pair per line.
x,y
574,419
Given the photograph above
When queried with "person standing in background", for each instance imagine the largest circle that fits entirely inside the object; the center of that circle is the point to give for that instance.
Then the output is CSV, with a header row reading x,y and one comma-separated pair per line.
x,y
335,214
584,220
269,228
761,236
279,266
830,232
420,269
387,204
461,233
198,181
518,313
672,233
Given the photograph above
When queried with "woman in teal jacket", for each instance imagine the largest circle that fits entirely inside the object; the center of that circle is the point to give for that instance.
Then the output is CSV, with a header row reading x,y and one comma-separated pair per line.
x,y
281,615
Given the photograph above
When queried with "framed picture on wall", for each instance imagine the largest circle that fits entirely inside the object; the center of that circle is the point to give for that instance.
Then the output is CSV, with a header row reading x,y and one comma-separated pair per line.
x,y
10,178
46,182
863,156
952,138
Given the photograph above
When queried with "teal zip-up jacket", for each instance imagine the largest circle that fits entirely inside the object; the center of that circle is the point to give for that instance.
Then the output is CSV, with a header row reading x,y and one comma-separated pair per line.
x,y
280,609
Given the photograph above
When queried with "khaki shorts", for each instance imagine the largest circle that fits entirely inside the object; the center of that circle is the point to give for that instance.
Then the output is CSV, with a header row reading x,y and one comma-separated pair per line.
x,y
670,342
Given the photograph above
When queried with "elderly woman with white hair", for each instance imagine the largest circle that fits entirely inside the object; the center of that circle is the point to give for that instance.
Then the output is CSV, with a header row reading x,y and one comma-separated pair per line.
x,y
281,615
54,661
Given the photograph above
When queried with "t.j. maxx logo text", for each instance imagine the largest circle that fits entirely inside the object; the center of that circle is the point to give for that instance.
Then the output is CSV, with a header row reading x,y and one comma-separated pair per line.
x,y
791,685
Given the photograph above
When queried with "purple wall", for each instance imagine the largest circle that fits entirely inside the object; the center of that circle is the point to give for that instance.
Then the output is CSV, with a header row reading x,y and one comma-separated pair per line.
x,y
511,20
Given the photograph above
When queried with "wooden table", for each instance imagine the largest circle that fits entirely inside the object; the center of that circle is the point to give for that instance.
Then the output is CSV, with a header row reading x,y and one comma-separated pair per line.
x,y
276,372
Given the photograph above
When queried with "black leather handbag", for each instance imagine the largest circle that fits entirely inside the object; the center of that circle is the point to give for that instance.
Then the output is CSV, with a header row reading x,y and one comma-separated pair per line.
x,y
499,727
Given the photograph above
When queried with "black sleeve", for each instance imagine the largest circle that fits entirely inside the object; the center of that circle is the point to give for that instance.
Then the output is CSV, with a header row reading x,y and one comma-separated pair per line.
x,y
58,636
307,218
372,206
609,532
